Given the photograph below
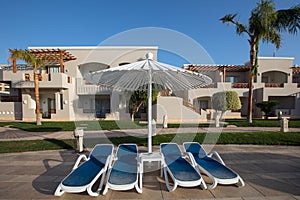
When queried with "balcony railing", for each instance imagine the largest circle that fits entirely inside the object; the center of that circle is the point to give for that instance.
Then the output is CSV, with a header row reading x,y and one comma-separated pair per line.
x,y
213,85
54,80
274,85
240,85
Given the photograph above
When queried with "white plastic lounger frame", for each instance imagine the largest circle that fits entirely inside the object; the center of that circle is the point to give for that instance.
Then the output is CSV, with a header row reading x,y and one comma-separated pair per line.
x,y
215,180
194,178
99,159
125,164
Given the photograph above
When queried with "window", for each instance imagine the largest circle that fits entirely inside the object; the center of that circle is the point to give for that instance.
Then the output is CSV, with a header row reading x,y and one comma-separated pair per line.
x,y
27,77
231,79
54,70
40,77
265,79
61,101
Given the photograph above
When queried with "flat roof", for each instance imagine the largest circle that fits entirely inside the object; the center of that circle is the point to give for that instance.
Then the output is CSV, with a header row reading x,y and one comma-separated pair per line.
x,y
276,58
93,47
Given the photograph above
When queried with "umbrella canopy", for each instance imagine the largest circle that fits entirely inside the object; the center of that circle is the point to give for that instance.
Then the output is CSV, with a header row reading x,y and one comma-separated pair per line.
x,y
142,74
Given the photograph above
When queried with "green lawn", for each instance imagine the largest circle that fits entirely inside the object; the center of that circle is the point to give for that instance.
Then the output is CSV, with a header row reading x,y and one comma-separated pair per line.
x,y
70,126
36,145
293,123
256,138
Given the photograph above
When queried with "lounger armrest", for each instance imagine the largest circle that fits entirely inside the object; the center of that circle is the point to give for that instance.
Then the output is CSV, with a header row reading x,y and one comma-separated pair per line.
x,y
192,159
82,156
217,156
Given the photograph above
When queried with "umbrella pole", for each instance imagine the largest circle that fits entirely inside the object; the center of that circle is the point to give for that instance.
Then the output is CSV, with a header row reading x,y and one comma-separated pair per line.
x,y
150,113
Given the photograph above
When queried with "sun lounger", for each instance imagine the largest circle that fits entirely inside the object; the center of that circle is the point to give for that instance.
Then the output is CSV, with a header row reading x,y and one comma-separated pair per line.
x,y
83,176
180,170
124,171
213,168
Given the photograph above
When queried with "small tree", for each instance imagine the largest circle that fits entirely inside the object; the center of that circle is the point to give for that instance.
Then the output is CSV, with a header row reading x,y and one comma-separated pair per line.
x,y
228,100
233,101
140,98
267,107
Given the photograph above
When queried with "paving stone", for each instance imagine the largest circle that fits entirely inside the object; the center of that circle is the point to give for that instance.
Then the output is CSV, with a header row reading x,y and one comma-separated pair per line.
x,y
289,197
270,187
232,191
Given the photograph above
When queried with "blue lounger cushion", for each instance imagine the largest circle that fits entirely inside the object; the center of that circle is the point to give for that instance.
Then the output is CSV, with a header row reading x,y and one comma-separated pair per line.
x,y
84,175
86,172
215,169
123,173
180,170
125,169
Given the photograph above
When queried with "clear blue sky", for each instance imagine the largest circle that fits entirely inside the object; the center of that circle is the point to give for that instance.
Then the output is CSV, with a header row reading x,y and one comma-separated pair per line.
x,y
26,23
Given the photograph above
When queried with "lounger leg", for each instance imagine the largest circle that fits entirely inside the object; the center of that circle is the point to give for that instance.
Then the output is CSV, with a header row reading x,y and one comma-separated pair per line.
x,y
105,189
59,191
203,184
242,183
138,189
101,182
91,193
171,189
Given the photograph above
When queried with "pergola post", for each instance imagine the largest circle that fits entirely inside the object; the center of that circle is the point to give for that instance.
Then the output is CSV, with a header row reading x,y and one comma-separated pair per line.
x,y
224,74
61,61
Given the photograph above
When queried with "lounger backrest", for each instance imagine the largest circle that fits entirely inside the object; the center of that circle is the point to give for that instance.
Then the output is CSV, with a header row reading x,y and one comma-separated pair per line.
x,y
170,151
194,148
100,153
126,151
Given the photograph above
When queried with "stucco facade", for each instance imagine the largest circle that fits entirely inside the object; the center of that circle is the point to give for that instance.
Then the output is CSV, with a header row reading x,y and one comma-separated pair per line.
x,y
277,79
65,95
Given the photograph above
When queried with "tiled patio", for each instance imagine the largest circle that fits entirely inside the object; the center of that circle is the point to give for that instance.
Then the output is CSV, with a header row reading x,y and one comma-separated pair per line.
x,y
270,172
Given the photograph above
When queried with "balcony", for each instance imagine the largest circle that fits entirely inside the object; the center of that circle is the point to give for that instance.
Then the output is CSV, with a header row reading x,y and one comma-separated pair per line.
x,y
240,85
213,85
274,85
55,80
92,90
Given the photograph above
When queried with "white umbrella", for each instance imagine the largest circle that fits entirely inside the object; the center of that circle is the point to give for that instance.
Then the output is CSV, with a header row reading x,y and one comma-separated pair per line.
x,y
142,74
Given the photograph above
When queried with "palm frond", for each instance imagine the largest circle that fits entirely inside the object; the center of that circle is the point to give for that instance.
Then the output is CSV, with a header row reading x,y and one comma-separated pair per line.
x,y
25,55
262,17
240,28
228,18
288,20
272,36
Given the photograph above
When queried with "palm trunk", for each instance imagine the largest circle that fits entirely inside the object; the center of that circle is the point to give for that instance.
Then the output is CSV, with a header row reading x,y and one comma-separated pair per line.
x,y
250,101
37,97
253,54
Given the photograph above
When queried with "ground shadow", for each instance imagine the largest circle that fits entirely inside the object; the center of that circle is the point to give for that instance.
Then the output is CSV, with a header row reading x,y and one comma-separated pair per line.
x,y
269,173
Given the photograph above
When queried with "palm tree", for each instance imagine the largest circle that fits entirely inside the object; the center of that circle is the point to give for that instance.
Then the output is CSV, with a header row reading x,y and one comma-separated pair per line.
x,y
265,24
29,58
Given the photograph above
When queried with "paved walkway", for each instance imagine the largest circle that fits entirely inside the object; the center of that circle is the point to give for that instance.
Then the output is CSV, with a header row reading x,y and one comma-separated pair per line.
x,y
270,172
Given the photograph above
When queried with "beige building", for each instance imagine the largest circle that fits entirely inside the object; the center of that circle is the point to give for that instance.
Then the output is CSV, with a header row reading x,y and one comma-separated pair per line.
x,y
65,95
277,79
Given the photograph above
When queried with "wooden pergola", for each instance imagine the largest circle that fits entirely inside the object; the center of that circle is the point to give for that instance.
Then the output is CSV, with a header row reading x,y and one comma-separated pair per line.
x,y
296,70
50,57
223,68
53,56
